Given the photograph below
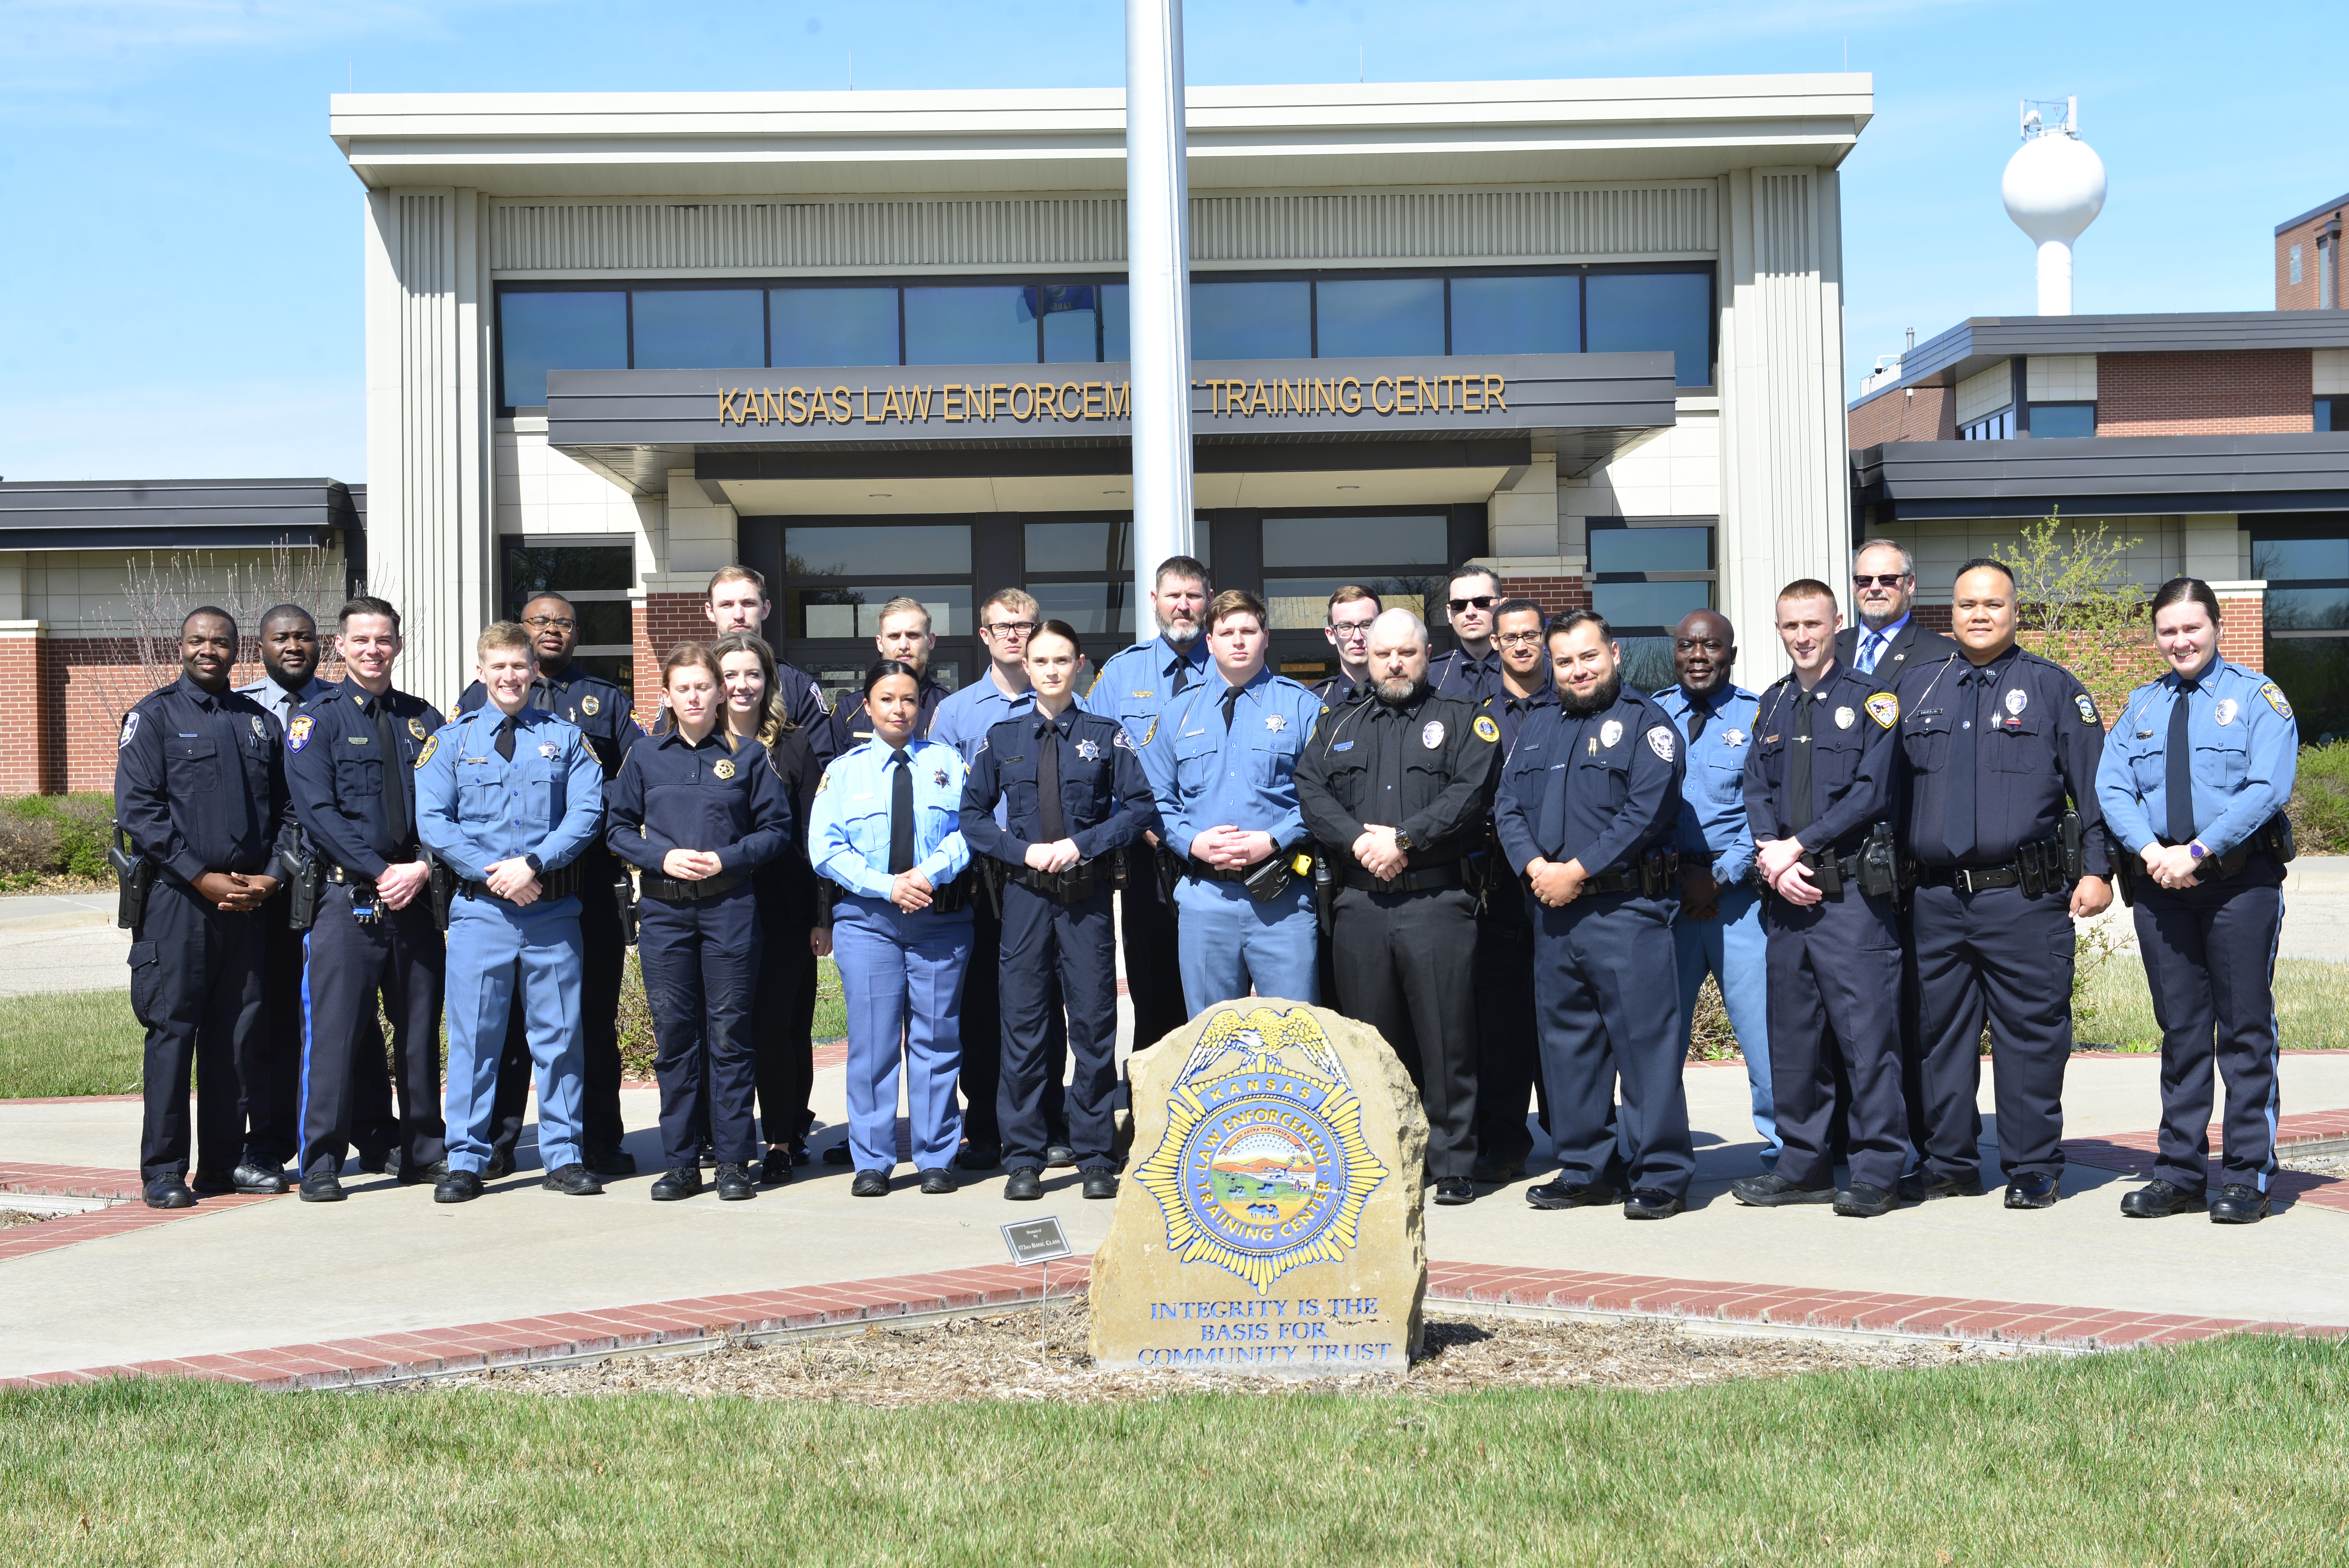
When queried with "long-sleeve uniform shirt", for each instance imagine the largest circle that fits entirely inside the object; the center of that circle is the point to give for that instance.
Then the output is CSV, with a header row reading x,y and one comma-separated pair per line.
x,y
1206,775
848,827
1457,674
340,772
1855,761
965,719
673,794
2036,737
1718,734
279,700
590,704
1136,684
475,808
1601,788
2246,753
1426,768
200,781
855,725
1105,797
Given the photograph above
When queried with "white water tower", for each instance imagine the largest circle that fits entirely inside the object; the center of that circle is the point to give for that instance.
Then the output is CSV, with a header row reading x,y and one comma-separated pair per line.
x,y
2055,187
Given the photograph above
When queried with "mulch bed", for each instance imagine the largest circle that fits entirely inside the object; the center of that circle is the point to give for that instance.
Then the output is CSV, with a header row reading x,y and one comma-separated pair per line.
x,y
10,1218
980,1358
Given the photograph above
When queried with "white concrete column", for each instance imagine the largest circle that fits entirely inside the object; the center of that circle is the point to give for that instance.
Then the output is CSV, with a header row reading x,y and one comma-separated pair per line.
x,y
1158,256
2213,548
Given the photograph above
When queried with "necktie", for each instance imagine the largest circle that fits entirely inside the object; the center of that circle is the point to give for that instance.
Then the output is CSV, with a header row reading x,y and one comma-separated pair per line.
x,y
395,788
1871,649
901,813
1549,835
1231,701
506,738
1697,713
1052,824
1958,805
1391,766
1798,766
2177,784
1181,675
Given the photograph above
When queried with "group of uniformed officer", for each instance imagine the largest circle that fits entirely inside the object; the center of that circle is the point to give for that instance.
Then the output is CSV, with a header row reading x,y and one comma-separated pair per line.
x,y
1490,857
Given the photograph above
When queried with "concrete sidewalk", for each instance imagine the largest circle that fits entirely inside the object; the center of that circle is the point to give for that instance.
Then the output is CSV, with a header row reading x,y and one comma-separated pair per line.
x,y
389,1260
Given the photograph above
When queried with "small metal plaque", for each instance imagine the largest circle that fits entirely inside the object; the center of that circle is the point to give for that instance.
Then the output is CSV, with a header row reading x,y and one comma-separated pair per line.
x,y
1037,1241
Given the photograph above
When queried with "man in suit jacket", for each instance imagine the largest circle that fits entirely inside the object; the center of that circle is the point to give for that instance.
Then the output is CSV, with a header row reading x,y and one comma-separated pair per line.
x,y
1884,639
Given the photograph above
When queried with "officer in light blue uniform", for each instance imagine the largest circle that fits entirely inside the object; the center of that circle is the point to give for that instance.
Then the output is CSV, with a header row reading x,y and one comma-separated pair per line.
x,y
507,791
1223,765
885,826
1719,931
2193,782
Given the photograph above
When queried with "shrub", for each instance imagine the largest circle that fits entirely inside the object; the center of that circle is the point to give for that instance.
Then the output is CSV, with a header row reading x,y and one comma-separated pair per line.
x,y
29,848
2320,800
54,835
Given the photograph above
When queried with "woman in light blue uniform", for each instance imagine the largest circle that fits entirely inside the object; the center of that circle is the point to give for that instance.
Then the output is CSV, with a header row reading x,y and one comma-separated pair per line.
x,y
2193,783
885,827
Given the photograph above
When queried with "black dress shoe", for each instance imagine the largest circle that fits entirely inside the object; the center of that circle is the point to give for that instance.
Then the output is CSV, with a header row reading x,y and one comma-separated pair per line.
x,y
1491,1171
321,1186
1564,1194
1924,1189
1772,1191
976,1156
1060,1156
254,1177
458,1187
1454,1190
939,1181
776,1169
870,1184
1861,1201
1651,1203
734,1183
1024,1185
2159,1199
168,1193
211,1183
678,1185
376,1161
613,1161
502,1163
838,1154
573,1180
417,1175
2032,1190
1100,1181
707,1158
2239,1203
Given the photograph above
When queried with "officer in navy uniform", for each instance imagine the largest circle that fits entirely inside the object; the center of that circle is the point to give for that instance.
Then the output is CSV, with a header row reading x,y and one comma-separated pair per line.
x,y
199,792
350,765
2193,783
905,636
1076,796
1473,668
1397,788
1820,780
1352,608
600,711
1997,741
1588,804
736,601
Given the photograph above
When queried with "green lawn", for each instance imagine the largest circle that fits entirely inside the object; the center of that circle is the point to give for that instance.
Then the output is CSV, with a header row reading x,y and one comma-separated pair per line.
x,y
2311,1005
2232,1452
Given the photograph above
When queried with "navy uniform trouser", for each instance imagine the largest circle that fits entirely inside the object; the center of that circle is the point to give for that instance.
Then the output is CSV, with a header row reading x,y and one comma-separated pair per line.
x,y
701,976
986,1025
1153,968
1054,952
2209,952
1603,990
606,951
1508,1050
195,984
374,1127
1405,966
782,1018
401,957
2000,953
1835,997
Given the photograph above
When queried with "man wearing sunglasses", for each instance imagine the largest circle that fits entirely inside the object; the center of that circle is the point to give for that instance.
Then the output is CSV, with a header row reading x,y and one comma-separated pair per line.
x,y
1352,608
1473,668
1885,638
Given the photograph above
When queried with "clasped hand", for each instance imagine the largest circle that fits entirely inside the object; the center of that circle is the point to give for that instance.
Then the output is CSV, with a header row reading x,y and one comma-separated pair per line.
x,y
1554,885
1057,856
514,881
691,865
910,891
1781,860
235,891
2170,865
1230,848
1376,850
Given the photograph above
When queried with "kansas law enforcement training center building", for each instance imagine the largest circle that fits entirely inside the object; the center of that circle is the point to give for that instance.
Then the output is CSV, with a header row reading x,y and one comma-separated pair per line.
x,y
873,344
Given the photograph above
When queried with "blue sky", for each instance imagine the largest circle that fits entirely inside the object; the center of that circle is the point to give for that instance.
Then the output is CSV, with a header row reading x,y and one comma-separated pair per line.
x,y
181,268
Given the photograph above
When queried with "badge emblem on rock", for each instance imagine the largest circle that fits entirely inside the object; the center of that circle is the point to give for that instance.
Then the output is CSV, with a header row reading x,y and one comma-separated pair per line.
x,y
1610,732
1263,1166
1846,719
2225,713
725,767
1430,734
1089,750
2016,701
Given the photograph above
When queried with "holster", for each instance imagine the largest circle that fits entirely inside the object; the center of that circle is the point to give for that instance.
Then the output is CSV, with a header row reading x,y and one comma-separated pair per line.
x,y
1270,878
2074,840
992,874
2041,865
1325,892
441,885
954,896
1169,870
1880,866
134,874
624,893
1660,871
305,883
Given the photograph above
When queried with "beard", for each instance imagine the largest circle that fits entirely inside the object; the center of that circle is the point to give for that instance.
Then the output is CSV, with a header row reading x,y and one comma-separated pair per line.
x,y
1181,635
1402,693
1602,696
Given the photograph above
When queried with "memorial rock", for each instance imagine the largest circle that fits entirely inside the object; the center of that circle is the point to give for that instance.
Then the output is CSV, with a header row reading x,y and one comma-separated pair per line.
x,y
1271,1221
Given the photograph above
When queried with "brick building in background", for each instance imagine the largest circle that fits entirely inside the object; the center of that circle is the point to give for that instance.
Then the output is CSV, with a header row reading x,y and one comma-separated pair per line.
x,y
2308,258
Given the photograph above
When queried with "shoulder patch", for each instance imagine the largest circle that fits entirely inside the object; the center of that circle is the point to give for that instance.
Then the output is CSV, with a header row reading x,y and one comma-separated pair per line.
x,y
297,734
1154,730
2268,689
1885,708
1659,741
2087,706
130,728
1121,738
1486,730
422,756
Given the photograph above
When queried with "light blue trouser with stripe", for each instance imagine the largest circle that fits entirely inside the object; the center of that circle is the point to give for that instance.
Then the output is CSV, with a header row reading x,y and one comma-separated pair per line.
x,y
494,947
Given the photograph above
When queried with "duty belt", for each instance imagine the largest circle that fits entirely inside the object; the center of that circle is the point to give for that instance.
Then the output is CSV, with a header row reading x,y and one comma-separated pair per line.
x,y
1205,872
1971,879
560,882
343,876
668,889
1074,885
1420,881
1651,875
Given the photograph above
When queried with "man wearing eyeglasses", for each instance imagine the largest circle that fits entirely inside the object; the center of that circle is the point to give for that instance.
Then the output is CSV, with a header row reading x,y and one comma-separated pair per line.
x,y
601,712
1471,669
1352,608
1886,638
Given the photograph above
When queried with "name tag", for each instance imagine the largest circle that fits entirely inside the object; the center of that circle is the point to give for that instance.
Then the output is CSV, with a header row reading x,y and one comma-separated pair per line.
x,y
1343,745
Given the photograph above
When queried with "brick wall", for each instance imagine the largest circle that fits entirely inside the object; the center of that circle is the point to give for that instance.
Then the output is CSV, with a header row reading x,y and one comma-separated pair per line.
x,y
2300,295
2242,638
662,622
22,770
2248,392
1556,595
1913,414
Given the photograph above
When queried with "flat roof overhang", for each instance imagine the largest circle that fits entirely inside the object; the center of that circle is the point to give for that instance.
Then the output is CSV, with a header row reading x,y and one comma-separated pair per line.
x,y
1437,134
1912,481
174,514
1264,432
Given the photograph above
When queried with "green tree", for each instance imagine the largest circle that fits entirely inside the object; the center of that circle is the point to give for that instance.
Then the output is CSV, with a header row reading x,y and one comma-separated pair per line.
x,y
2080,607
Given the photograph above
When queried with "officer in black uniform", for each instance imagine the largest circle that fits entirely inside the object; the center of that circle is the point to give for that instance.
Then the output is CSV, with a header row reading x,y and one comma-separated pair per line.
x,y
1508,1050
1820,777
601,712
1588,804
1473,668
200,794
1999,742
1397,786
350,766
736,601
1076,796
905,635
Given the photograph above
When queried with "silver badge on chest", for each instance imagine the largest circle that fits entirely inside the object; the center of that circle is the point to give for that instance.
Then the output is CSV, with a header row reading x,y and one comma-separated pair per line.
x,y
2016,701
1845,718
1089,750
1275,722
1430,734
1610,732
2226,711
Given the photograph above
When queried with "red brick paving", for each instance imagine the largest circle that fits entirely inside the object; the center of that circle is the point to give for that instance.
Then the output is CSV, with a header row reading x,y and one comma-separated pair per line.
x,y
2134,1152
122,1187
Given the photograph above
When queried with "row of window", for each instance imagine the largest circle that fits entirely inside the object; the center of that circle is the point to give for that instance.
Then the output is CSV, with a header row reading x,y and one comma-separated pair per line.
x,y
2048,420
733,326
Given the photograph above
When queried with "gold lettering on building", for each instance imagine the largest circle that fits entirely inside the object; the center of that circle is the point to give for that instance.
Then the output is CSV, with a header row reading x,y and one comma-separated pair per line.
x,y
955,403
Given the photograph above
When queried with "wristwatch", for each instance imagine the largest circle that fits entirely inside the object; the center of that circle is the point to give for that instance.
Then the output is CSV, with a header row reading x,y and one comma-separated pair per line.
x,y
1402,841
2195,849
537,867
